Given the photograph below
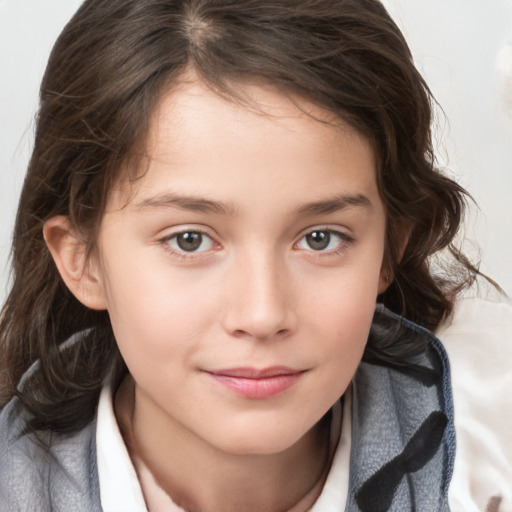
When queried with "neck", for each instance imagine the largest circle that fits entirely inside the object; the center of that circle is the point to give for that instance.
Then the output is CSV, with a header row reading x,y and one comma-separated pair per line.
x,y
199,477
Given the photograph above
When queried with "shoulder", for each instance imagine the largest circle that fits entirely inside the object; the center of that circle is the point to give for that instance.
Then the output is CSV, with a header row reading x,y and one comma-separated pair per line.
x,y
478,340
15,448
19,458
45,471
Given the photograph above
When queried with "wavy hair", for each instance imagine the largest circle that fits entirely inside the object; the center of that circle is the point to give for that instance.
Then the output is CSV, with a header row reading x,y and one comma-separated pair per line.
x,y
105,75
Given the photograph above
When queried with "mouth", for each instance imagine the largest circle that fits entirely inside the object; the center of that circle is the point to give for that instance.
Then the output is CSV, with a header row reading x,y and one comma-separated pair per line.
x,y
253,383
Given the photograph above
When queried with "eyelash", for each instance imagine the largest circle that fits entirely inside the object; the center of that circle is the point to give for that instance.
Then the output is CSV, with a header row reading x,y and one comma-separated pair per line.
x,y
182,253
344,241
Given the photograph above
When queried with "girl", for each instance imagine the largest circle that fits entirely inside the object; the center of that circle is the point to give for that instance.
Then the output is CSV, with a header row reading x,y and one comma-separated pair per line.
x,y
224,270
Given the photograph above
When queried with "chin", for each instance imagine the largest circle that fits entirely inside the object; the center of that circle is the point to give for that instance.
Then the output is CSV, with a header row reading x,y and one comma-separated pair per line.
x,y
268,439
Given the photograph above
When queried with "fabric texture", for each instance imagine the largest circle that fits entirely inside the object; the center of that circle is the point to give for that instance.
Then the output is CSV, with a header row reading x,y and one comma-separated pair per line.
x,y
403,445
46,472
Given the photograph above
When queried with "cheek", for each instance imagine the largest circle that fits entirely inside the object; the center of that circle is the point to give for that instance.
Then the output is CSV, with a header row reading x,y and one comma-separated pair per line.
x,y
340,309
157,314
344,299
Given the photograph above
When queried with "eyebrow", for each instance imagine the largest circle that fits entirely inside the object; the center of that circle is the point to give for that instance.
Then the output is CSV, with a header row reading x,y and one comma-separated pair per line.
x,y
192,203
331,205
199,204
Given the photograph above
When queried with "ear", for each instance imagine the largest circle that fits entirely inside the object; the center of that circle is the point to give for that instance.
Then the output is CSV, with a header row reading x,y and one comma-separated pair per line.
x,y
386,272
81,275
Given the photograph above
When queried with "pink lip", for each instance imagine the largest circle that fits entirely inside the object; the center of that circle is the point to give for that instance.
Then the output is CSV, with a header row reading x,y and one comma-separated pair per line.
x,y
257,384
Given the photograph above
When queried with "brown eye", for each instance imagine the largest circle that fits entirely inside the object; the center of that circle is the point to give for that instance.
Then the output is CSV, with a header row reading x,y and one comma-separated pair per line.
x,y
190,241
324,240
318,240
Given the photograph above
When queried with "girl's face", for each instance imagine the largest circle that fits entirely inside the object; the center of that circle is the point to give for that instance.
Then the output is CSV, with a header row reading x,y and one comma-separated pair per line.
x,y
241,270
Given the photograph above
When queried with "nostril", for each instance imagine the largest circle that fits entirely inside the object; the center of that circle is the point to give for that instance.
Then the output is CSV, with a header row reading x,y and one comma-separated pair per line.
x,y
262,335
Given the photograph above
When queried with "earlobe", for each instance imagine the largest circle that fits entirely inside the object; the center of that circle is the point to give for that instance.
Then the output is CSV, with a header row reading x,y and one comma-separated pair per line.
x,y
384,279
80,275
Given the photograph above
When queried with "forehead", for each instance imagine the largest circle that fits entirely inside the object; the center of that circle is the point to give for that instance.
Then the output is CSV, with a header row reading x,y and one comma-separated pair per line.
x,y
191,104
198,138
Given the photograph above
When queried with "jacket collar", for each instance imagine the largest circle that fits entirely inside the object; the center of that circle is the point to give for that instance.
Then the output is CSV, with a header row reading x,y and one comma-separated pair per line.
x,y
403,441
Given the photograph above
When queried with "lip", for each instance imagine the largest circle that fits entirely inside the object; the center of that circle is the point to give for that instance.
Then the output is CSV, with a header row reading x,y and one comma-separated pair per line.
x,y
256,383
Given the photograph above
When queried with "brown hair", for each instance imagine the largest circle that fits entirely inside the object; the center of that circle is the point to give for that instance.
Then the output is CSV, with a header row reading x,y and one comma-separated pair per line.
x,y
103,79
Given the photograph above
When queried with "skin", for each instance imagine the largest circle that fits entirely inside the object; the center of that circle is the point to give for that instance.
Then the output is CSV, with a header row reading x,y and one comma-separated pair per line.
x,y
255,293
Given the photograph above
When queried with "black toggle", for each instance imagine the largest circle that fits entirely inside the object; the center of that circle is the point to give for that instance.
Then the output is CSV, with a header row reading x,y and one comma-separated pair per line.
x,y
376,494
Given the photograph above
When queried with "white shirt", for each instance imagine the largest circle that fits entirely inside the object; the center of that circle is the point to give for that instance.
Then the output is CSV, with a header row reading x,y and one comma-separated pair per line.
x,y
478,339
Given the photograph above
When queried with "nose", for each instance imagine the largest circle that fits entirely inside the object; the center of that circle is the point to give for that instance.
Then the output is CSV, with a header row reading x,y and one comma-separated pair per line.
x,y
260,303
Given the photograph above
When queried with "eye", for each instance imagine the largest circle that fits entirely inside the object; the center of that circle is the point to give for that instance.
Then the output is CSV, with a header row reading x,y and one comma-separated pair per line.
x,y
323,240
190,241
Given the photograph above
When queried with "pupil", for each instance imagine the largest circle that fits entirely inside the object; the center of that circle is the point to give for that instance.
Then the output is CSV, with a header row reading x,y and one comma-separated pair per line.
x,y
318,240
189,241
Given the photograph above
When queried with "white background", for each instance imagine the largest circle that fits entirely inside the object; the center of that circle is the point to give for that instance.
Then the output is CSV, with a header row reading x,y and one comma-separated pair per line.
x,y
463,48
